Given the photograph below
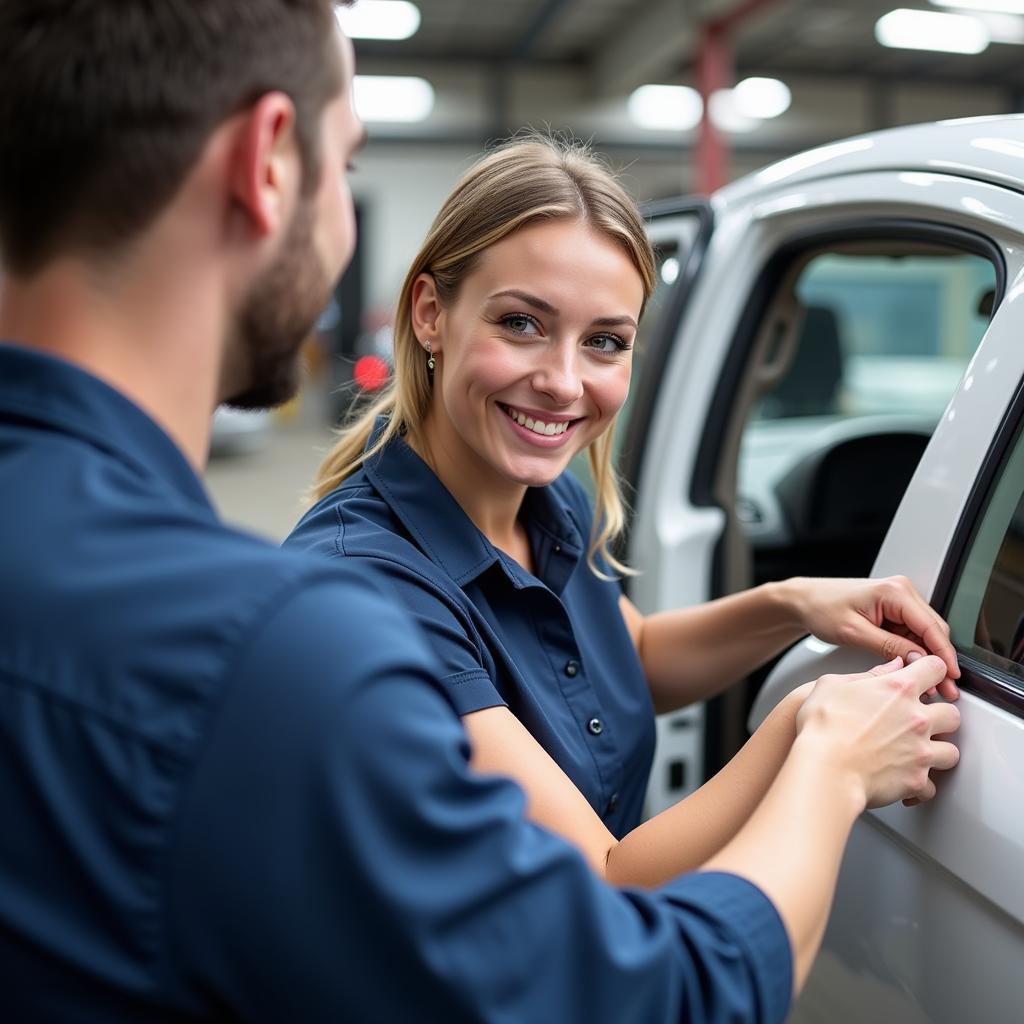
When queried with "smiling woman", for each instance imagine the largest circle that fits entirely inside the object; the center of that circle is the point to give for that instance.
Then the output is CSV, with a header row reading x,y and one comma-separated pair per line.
x,y
513,351
488,256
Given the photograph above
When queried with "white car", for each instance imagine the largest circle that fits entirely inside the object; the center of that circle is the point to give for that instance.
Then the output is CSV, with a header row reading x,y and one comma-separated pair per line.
x,y
831,383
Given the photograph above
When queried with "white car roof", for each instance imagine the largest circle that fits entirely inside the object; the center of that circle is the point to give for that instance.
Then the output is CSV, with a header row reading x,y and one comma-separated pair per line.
x,y
989,149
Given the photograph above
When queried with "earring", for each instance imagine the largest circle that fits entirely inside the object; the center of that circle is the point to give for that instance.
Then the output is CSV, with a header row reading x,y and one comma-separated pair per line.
x,y
430,356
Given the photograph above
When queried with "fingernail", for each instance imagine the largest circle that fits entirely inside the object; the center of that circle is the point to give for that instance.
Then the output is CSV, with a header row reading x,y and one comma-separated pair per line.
x,y
914,656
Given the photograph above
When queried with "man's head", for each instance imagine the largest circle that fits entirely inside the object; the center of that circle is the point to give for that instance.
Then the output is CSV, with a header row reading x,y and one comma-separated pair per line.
x,y
107,107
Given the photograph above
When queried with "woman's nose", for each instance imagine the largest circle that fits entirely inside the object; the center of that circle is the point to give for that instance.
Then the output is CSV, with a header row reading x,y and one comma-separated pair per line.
x,y
559,376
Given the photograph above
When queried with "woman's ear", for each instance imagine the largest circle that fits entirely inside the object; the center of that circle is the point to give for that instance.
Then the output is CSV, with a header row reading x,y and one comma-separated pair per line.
x,y
427,311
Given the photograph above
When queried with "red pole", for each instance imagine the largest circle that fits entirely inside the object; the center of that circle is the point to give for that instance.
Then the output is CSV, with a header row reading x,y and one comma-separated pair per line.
x,y
714,72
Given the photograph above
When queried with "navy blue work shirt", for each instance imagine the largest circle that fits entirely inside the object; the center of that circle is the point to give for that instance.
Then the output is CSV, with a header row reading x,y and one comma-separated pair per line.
x,y
552,646
233,789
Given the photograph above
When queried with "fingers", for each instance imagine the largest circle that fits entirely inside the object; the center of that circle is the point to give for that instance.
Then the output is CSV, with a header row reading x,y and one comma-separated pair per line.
x,y
904,605
947,755
922,674
943,719
926,792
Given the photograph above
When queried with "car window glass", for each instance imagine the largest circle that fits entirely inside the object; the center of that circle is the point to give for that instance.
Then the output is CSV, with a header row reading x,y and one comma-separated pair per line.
x,y
987,612
881,342
670,255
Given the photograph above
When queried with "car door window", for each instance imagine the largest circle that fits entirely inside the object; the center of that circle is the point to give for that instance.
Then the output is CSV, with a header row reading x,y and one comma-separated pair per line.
x,y
874,346
987,610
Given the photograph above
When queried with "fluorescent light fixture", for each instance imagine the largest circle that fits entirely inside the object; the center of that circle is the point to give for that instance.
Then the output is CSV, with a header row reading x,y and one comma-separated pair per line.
x,y
1003,28
666,107
393,98
763,98
931,30
993,6
380,19
726,115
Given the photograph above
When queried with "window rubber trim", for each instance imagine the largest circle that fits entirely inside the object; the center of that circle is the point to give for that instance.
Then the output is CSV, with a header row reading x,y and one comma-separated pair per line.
x,y
660,345
979,677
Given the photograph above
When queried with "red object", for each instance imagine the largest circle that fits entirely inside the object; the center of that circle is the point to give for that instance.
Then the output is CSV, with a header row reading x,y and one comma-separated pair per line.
x,y
371,373
715,71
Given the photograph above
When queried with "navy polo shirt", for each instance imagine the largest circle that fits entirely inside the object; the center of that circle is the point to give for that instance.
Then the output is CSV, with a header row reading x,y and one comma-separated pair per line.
x,y
552,646
233,789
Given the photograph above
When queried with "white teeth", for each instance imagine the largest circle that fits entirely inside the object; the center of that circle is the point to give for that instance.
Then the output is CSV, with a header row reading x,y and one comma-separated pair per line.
x,y
537,426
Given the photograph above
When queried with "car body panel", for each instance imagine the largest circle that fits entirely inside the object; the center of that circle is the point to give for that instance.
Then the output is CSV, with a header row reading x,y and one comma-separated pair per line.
x,y
928,923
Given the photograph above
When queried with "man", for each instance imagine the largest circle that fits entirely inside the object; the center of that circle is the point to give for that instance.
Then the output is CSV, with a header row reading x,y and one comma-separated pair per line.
x,y
231,787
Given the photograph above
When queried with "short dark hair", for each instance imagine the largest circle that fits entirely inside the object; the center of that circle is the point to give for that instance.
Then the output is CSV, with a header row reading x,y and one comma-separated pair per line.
x,y
105,105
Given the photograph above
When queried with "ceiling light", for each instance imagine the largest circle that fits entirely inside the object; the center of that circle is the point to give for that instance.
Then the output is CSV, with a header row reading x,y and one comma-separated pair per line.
x,y
995,6
726,115
666,107
1003,28
930,30
762,98
670,270
380,19
393,98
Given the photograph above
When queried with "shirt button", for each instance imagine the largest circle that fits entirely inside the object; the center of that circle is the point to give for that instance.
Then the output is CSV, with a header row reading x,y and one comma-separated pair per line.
x,y
572,668
613,804
595,727
558,549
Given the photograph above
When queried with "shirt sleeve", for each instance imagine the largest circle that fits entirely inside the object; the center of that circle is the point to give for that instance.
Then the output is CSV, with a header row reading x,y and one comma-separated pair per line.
x,y
463,666
336,859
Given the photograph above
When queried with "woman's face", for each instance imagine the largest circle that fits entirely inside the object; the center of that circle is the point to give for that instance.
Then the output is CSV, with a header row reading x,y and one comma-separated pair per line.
x,y
534,356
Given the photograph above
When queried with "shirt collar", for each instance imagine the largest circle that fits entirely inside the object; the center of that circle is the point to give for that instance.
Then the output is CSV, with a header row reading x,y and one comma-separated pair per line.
x,y
42,388
448,536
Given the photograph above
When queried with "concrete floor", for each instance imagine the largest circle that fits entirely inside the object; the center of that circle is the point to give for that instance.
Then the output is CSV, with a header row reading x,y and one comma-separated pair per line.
x,y
261,490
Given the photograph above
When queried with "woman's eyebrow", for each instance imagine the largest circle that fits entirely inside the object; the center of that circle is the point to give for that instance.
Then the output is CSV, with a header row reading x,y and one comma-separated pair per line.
x,y
614,321
546,307
530,300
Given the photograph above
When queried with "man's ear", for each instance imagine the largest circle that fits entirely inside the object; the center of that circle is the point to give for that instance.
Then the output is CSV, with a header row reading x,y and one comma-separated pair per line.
x,y
266,166
427,311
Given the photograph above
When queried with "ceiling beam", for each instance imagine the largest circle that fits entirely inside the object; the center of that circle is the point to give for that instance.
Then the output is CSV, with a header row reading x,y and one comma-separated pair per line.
x,y
547,13
656,44
652,43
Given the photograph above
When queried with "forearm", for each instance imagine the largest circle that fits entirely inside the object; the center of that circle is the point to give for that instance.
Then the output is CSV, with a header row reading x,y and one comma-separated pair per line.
x,y
692,654
793,845
687,834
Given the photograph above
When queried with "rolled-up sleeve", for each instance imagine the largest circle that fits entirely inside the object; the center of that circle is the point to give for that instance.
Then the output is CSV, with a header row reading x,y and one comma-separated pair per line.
x,y
338,860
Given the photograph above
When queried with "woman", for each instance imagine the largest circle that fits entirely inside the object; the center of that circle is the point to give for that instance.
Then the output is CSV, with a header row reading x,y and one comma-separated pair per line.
x,y
512,347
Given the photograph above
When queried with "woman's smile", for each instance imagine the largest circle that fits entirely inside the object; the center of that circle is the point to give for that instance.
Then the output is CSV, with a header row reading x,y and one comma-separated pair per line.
x,y
544,429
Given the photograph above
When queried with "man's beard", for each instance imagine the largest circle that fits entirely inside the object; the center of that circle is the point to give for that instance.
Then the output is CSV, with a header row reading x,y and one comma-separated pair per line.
x,y
278,314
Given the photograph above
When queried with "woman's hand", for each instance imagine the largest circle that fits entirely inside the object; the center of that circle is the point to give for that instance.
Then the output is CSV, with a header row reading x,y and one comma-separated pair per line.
x,y
878,731
885,616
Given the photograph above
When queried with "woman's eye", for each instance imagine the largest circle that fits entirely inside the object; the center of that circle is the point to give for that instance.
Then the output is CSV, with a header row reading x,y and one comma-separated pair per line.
x,y
520,323
608,343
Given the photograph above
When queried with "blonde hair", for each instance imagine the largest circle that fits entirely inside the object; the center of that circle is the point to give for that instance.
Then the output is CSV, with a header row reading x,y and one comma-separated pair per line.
x,y
529,178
